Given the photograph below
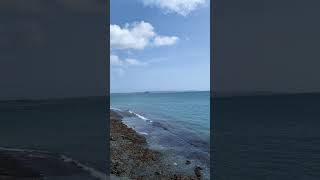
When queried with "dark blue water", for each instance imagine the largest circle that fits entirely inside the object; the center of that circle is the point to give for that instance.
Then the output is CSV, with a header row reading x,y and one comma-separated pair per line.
x,y
267,137
176,123
75,128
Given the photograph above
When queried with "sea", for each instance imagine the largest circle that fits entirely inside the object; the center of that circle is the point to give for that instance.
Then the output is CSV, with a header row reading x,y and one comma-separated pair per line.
x,y
73,129
174,123
267,137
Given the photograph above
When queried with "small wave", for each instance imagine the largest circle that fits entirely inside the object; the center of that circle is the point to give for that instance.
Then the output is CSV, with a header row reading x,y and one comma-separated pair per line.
x,y
130,112
160,125
143,133
139,116
115,109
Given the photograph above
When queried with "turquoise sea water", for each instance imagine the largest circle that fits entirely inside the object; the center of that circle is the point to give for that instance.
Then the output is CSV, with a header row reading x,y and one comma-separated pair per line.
x,y
177,123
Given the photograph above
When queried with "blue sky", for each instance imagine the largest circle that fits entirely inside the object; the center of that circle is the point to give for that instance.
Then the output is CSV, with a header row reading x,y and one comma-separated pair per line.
x,y
159,45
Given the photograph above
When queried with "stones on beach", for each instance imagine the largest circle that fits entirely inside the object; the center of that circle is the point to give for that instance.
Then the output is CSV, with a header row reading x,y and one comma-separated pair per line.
x,y
197,171
131,157
112,138
176,177
154,158
129,151
188,162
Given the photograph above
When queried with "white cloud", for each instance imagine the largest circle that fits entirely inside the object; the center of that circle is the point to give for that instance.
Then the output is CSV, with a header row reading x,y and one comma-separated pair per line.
x,y
116,61
165,40
134,62
182,7
137,35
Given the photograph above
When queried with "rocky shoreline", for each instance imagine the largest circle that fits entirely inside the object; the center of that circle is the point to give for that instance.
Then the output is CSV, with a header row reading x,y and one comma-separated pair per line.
x,y
132,159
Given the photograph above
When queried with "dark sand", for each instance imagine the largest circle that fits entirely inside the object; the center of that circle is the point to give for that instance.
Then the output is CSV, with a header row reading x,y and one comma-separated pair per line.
x,y
131,158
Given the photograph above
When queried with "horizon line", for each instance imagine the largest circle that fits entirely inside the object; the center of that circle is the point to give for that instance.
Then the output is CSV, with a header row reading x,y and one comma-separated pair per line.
x,y
159,91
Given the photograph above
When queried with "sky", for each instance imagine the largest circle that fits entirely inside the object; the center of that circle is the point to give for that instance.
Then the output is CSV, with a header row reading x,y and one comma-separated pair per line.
x,y
159,45
267,45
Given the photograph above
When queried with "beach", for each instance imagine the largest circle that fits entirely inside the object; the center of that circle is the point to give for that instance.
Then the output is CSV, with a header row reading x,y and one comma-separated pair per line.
x,y
132,158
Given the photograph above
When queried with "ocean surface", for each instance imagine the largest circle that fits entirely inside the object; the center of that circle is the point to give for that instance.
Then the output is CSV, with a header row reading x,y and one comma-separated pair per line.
x,y
175,123
273,137
73,128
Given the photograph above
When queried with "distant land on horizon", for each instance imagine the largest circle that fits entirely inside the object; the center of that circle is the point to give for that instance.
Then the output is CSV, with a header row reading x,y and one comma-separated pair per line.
x,y
168,91
224,94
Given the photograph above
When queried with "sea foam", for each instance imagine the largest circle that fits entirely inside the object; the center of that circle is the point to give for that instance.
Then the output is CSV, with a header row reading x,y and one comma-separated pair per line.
x,y
138,115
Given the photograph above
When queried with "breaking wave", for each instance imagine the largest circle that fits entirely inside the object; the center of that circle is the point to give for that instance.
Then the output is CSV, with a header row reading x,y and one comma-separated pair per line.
x,y
130,113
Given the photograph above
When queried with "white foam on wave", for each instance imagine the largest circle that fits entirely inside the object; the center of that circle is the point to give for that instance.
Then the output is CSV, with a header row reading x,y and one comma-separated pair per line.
x,y
115,109
131,112
139,116
143,133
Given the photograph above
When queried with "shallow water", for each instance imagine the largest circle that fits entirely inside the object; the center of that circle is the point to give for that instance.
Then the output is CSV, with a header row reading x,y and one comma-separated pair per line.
x,y
176,123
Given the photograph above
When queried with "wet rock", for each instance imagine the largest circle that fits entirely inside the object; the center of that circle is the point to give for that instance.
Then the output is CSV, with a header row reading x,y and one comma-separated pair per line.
x,y
197,172
131,157
188,162
175,177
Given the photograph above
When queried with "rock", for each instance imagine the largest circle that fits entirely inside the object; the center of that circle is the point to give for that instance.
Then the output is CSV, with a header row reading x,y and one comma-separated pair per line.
x,y
132,158
197,172
175,177
188,162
